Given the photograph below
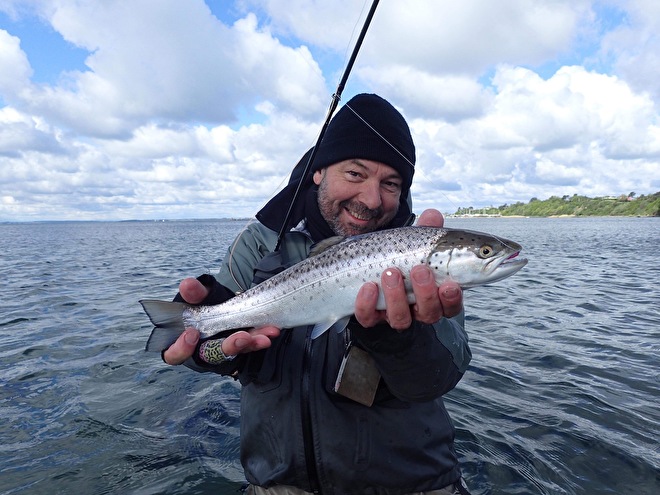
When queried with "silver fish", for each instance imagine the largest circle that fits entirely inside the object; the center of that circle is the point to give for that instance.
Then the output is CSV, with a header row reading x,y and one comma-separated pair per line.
x,y
321,289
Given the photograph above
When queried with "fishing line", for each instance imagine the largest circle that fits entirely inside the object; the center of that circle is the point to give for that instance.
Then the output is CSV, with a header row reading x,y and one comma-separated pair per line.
x,y
355,26
418,171
375,131
333,105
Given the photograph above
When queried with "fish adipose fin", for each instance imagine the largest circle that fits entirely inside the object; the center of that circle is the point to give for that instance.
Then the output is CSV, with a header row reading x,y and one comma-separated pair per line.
x,y
168,320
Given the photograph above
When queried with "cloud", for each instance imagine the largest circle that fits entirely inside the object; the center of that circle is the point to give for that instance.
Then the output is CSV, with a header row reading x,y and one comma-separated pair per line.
x,y
450,98
19,133
573,106
15,70
436,37
470,36
633,47
577,131
176,63
189,110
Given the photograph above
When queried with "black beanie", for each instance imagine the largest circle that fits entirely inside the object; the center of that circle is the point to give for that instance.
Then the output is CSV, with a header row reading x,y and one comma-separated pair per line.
x,y
369,127
366,127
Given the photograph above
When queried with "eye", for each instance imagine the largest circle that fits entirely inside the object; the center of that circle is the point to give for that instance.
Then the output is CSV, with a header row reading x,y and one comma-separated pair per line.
x,y
485,251
392,185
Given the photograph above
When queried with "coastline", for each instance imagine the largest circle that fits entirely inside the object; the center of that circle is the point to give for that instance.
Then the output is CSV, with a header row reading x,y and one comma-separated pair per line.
x,y
550,216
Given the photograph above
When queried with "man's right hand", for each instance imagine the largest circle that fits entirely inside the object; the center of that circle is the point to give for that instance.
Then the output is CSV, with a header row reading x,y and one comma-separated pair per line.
x,y
192,291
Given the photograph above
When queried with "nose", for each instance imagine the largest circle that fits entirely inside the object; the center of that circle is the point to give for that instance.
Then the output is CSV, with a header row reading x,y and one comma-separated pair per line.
x,y
370,195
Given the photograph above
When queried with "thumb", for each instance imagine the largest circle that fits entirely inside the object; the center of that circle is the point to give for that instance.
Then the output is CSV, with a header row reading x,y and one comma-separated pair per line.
x,y
431,218
183,348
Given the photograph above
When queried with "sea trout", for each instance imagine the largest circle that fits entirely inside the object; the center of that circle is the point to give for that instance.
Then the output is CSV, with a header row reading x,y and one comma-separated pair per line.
x,y
321,289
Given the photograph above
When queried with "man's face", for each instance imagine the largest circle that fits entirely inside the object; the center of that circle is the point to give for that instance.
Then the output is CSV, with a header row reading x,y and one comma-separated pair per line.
x,y
358,196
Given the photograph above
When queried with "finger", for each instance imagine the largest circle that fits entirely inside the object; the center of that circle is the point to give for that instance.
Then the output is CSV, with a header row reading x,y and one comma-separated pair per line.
x,y
427,308
451,297
396,300
192,291
365,306
249,341
262,338
183,347
431,218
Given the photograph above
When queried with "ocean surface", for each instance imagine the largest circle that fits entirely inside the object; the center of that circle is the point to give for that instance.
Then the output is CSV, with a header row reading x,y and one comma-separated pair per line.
x,y
562,396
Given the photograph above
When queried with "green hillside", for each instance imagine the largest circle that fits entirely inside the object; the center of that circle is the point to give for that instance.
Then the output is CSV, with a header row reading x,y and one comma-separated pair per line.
x,y
624,205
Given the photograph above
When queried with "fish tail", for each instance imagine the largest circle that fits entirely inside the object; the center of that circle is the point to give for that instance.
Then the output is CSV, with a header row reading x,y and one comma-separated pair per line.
x,y
167,318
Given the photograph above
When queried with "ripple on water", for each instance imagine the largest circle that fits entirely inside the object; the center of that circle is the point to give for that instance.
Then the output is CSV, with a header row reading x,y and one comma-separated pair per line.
x,y
561,396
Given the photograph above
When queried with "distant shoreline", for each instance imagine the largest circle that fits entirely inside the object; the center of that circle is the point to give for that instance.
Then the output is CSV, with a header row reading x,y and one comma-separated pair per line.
x,y
624,205
229,219
550,216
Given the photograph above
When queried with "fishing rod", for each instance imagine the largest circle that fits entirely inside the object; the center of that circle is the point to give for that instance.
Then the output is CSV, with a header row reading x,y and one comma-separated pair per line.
x,y
333,106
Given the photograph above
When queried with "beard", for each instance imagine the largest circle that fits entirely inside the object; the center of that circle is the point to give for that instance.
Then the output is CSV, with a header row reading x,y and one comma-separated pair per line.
x,y
331,212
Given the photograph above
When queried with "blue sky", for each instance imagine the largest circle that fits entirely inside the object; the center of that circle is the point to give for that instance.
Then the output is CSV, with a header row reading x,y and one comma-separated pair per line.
x,y
165,109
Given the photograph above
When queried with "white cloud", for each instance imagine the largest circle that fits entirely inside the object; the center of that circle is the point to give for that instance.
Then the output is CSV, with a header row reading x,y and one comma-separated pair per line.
x,y
573,106
176,62
576,132
180,114
469,36
634,46
557,173
15,70
451,98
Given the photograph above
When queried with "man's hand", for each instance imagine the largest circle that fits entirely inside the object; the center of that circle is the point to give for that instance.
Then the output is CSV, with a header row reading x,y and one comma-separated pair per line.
x,y
193,292
432,302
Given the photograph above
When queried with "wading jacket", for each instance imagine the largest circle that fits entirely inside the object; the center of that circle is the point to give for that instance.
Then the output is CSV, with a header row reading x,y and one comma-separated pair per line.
x,y
296,430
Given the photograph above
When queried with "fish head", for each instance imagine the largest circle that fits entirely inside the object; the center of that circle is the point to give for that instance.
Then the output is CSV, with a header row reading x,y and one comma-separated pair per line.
x,y
474,258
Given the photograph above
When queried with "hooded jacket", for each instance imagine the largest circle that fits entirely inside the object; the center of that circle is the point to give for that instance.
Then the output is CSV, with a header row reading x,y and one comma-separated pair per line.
x,y
296,430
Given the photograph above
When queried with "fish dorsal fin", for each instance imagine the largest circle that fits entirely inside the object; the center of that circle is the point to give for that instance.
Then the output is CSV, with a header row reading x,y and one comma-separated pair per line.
x,y
325,244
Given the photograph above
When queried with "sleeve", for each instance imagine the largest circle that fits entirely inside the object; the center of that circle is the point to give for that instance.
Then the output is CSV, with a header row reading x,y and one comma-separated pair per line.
x,y
217,294
247,250
421,363
235,275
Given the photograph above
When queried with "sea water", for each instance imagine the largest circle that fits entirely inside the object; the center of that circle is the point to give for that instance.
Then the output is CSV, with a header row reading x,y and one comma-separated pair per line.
x,y
562,395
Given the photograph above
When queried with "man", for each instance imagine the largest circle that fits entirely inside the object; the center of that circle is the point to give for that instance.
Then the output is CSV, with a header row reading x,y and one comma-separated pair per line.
x,y
300,433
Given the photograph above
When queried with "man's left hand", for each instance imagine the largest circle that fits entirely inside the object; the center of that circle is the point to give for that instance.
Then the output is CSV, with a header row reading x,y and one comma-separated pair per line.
x,y
432,302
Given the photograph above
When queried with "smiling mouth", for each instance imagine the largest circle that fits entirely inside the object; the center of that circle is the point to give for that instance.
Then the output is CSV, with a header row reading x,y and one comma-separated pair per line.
x,y
360,213
359,216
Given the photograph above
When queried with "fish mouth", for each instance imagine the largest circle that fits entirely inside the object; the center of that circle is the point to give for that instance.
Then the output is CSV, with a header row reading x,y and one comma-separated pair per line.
x,y
511,257
502,267
497,269
509,265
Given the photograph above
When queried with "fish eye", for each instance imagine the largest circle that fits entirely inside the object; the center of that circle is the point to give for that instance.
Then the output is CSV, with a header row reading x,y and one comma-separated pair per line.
x,y
486,251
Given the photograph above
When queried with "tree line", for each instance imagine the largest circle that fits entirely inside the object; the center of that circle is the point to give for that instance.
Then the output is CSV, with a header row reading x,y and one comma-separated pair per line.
x,y
623,205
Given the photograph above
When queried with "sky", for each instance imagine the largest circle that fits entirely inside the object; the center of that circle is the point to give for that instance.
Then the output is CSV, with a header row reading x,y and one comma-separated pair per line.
x,y
163,109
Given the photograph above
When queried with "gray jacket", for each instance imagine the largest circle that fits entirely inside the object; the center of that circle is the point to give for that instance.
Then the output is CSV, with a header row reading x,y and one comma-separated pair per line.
x,y
296,430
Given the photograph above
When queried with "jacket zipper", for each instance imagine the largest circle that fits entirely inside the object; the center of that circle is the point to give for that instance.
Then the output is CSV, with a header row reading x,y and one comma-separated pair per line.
x,y
308,430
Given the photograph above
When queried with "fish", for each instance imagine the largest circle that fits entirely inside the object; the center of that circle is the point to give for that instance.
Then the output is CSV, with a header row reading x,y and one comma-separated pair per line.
x,y
321,289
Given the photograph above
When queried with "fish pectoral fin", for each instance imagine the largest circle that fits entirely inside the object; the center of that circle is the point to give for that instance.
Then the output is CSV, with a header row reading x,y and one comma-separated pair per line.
x,y
168,320
338,325
325,244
